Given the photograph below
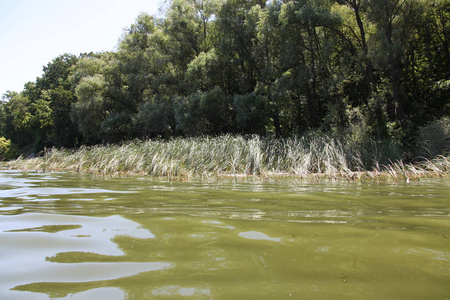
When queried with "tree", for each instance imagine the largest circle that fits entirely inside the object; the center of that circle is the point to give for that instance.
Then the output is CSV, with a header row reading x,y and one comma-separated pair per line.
x,y
250,114
89,110
18,120
394,21
156,119
204,113
308,28
203,71
51,95
355,30
427,64
7,150
362,68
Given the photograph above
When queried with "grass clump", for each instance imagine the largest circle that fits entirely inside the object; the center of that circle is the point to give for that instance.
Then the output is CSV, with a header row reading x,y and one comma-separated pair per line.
x,y
230,155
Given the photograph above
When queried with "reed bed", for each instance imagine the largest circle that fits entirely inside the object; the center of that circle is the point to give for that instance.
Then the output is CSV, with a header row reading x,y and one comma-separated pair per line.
x,y
239,156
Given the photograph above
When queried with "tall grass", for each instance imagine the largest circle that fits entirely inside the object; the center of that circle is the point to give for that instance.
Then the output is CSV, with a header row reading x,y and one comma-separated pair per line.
x,y
236,155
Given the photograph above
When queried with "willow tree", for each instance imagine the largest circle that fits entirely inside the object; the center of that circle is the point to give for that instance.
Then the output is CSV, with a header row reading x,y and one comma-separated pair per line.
x,y
395,22
308,28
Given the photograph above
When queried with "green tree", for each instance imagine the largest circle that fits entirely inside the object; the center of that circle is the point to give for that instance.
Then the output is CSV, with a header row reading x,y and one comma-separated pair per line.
x,y
144,78
52,93
202,71
89,110
427,64
236,22
42,122
364,68
394,21
7,150
308,28
156,119
251,115
18,120
204,113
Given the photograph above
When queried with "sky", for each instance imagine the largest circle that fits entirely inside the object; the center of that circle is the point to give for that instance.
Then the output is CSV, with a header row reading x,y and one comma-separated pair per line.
x,y
34,32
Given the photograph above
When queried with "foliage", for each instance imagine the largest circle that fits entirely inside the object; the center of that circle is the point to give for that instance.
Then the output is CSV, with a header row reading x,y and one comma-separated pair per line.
x,y
88,112
434,139
204,113
374,72
156,118
249,113
7,150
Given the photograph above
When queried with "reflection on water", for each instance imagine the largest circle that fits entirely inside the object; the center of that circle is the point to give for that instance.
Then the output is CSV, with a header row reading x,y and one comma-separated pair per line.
x,y
99,293
80,237
64,248
180,291
255,235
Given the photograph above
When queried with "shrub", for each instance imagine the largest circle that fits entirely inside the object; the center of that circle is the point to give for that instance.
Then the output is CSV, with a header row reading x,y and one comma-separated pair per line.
x,y
434,139
7,150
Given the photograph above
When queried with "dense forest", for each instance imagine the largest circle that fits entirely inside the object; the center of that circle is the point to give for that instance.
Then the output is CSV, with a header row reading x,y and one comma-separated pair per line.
x,y
360,69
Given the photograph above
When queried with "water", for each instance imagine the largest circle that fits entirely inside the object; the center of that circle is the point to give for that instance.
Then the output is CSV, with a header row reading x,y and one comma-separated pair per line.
x,y
69,236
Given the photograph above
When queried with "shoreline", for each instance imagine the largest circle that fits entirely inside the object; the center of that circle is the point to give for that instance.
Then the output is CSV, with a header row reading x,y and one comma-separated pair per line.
x,y
316,158
353,176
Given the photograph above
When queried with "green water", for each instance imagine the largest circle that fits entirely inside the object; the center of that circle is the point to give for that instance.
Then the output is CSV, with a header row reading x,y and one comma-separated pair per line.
x,y
68,236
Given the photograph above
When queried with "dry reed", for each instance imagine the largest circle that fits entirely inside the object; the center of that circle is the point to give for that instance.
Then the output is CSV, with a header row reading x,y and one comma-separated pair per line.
x,y
229,155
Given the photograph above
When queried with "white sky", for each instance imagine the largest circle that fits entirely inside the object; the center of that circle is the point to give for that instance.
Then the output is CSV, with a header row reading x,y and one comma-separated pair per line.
x,y
34,32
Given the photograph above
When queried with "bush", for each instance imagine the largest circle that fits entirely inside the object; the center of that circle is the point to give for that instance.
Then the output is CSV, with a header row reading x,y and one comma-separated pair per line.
x,y
204,113
250,113
156,119
7,150
434,139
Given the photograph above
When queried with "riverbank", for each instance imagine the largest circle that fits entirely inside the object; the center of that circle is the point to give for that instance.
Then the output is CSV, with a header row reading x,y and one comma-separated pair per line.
x,y
237,156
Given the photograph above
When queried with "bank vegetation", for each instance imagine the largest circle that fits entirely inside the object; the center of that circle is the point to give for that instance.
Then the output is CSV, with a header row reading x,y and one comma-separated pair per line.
x,y
247,87
314,156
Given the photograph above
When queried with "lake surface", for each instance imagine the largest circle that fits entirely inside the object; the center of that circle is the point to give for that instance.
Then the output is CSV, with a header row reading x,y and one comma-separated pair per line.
x,y
72,236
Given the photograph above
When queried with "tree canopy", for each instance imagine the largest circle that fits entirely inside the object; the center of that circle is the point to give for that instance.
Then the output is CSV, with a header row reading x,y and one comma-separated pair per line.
x,y
369,68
